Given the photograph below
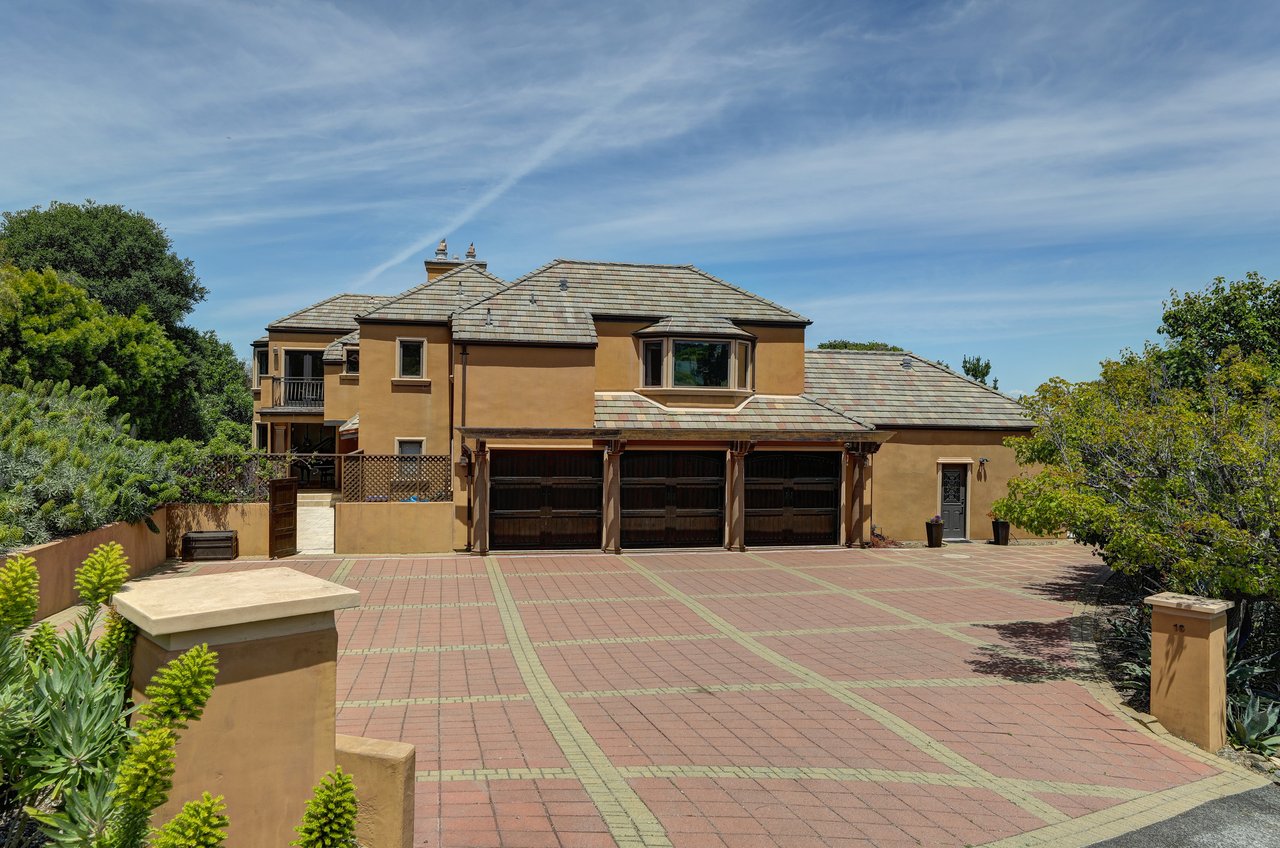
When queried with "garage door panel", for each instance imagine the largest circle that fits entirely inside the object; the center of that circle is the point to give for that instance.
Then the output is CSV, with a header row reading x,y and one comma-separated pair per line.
x,y
545,499
792,498
672,498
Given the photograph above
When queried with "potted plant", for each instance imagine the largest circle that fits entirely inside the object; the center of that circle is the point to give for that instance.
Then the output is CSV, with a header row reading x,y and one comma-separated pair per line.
x,y
933,531
999,529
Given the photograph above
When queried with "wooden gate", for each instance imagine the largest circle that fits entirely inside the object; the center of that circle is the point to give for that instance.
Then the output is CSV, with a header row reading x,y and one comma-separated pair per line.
x,y
672,499
545,499
792,498
282,520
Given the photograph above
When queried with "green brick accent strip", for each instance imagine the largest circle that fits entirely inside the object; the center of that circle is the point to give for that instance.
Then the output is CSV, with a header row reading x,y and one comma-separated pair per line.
x,y
626,640
431,702
449,775
903,729
421,649
630,822
344,569
462,605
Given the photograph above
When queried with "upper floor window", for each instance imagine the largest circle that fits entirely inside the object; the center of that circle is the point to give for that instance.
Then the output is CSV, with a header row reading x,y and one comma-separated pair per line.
x,y
697,364
351,361
260,363
411,358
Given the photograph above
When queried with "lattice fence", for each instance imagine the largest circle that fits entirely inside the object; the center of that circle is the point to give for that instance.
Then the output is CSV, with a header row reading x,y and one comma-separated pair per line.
x,y
232,479
373,477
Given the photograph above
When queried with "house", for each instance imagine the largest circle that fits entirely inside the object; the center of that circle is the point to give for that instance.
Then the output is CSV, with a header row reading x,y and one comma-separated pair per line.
x,y
615,406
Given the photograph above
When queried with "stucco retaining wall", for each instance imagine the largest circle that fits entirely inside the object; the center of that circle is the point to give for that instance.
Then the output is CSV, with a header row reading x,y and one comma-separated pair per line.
x,y
57,561
249,520
393,528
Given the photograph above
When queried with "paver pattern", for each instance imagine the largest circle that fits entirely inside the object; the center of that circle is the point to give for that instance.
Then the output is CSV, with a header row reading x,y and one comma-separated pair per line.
x,y
791,698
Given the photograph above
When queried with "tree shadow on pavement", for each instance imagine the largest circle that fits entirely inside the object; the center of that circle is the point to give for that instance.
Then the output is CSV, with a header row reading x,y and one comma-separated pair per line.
x,y
1028,652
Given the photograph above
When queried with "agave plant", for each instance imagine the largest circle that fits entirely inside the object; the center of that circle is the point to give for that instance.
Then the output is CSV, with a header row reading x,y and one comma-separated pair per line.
x,y
1255,724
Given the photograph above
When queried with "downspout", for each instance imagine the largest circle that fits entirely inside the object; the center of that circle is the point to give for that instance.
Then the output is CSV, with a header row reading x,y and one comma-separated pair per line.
x,y
462,422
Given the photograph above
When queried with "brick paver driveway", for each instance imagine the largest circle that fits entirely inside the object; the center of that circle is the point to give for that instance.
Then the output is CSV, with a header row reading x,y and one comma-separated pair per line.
x,y
793,698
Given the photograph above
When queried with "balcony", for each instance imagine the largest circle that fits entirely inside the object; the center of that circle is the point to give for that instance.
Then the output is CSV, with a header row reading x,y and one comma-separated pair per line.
x,y
297,392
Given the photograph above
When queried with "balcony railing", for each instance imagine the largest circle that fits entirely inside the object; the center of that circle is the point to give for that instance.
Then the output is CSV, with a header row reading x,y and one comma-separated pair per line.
x,y
298,392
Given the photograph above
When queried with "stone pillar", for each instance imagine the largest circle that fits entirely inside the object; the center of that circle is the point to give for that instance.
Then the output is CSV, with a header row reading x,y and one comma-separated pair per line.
x,y
480,544
1189,667
612,507
267,734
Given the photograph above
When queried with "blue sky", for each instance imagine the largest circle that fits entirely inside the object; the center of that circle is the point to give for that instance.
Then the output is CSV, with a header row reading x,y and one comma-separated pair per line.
x,y
1026,181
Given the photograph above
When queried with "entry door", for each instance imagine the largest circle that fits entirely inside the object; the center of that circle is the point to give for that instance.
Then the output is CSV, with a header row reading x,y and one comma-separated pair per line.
x,y
282,517
955,501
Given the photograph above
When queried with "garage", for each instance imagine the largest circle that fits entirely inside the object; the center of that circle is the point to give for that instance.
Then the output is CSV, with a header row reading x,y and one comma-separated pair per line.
x,y
792,498
545,499
672,499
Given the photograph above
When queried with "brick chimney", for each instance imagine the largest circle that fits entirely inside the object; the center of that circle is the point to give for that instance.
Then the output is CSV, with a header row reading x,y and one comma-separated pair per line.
x,y
442,263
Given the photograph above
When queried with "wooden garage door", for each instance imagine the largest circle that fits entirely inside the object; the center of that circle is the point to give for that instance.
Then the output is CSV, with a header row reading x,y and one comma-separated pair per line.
x,y
672,498
545,499
792,498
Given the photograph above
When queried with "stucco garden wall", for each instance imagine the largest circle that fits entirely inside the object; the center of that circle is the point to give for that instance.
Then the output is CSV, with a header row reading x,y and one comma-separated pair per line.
x,y
57,561
249,520
393,528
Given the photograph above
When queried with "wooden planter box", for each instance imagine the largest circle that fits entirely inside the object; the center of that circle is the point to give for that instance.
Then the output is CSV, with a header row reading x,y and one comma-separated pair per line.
x,y
201,545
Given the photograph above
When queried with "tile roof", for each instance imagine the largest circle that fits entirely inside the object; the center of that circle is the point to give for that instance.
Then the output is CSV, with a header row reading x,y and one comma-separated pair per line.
x,y
790,414
333,313
438,299
873,386
555,304
695,326
334,352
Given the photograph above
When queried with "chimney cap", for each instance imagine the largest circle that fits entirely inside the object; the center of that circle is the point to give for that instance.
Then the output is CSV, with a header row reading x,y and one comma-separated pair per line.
x,y
442,250
471,250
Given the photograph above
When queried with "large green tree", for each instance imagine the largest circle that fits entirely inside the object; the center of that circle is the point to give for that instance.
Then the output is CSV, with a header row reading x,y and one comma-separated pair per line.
x,y
125,261
1169,460
121,257
51,330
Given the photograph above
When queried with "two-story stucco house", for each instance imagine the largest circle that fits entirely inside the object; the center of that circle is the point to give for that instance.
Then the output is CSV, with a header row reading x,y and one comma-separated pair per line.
x,y
614,406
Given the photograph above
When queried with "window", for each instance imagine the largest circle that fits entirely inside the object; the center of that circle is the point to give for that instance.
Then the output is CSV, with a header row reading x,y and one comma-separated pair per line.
x,y
653,363
743,353
260,366
701,364
410,359
409,447
351,363
260,433
409,465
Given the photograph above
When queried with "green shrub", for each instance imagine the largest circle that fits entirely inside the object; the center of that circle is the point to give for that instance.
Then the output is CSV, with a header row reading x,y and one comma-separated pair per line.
x,y
67,465
330,819
72,771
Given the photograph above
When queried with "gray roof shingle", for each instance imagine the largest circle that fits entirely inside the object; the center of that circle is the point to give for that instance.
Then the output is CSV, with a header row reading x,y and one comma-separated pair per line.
x,y
695,326
789,414
873,386
556,303
438,299
335,351
336,313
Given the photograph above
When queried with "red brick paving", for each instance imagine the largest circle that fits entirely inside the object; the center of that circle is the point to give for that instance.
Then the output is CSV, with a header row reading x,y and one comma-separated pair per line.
x,y
1029,722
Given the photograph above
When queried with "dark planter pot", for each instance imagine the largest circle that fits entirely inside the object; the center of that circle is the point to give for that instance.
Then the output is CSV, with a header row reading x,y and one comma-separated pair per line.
x,y
933,532
999,532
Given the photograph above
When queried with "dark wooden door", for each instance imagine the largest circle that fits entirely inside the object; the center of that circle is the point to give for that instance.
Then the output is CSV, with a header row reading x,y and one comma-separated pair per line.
x,y
955,501
545,499
282,517
792,498
672,499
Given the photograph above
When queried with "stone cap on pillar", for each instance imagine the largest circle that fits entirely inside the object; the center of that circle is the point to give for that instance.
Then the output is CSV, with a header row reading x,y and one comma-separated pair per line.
x,y
235,607
1190,604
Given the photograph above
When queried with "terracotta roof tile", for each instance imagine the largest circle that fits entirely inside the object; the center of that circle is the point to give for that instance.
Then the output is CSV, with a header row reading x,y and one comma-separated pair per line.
x,y
790,414
873,386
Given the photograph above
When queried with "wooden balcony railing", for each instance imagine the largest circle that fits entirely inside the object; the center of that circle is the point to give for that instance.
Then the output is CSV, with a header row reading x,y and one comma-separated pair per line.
x,y
297,392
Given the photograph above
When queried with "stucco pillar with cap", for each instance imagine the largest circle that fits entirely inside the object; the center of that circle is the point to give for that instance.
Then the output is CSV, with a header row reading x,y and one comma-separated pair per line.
x,y
1189,667
267,734
612,506
735,513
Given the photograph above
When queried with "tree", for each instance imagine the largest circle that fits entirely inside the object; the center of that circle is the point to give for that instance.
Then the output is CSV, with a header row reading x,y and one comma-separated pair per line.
x,y
1200,326
121,257
214,388
51,330
1182,482
977,368
845,344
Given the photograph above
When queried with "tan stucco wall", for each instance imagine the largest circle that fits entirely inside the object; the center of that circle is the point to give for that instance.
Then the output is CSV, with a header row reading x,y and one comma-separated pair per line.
x,y
779,359
383,772
266,736
904,491
618,356
393,528
529,386
57,561
391,408
249,520
341,393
